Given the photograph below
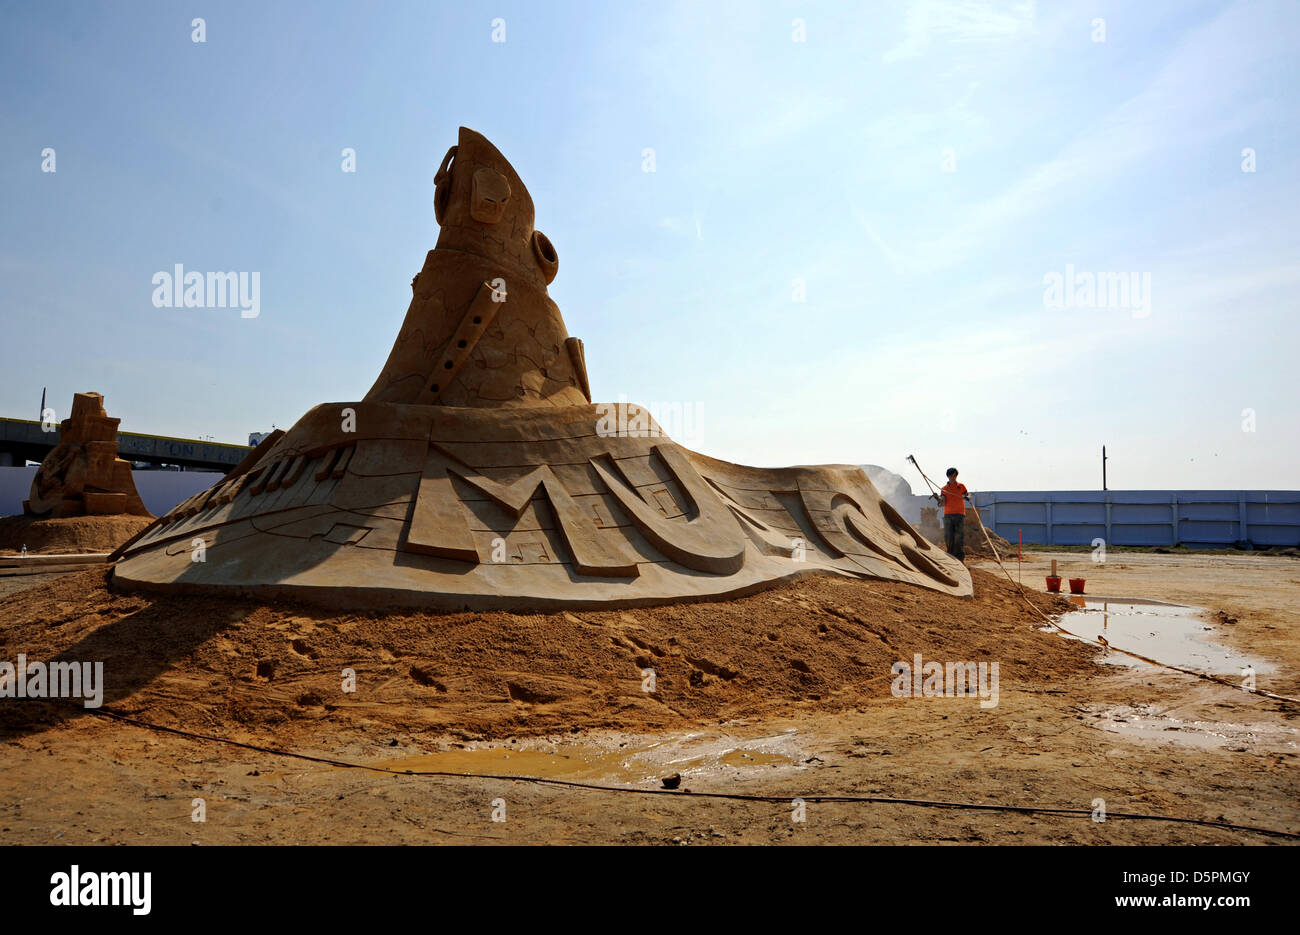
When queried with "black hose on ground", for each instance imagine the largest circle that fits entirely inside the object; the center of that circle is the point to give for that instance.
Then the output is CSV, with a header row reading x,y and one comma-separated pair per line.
x,y
732,796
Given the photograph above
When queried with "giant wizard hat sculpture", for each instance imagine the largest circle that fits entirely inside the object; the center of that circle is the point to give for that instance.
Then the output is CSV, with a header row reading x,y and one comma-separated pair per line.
x,y
477,473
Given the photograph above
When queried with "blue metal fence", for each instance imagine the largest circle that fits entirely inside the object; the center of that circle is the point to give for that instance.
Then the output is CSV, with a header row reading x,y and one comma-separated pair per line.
x,y
1204,518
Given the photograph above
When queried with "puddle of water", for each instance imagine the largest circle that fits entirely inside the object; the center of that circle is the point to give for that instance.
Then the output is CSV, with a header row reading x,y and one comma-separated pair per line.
x,y
639,760
572,763
1171,633
1144,722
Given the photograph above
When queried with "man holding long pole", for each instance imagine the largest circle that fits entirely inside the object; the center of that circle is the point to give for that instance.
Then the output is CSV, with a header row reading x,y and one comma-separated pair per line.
x,y
953,496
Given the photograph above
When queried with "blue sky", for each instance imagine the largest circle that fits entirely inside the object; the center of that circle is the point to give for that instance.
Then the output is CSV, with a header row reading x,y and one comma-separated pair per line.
x,y
920,167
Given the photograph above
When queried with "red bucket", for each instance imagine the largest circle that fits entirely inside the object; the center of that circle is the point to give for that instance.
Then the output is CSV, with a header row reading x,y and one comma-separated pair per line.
x,y
1054,583
1076,585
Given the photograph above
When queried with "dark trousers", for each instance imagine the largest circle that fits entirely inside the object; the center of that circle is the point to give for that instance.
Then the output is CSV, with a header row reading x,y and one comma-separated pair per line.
x,y
954,535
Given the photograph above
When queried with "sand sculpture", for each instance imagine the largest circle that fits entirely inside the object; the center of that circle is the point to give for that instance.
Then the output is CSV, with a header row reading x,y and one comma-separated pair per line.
x,y
477,473
82,475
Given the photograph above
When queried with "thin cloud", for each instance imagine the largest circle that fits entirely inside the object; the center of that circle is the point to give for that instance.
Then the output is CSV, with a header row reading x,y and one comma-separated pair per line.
x,y
960,22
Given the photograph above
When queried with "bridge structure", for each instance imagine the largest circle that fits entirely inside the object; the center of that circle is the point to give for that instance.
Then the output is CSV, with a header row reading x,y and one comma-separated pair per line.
x,y
23,440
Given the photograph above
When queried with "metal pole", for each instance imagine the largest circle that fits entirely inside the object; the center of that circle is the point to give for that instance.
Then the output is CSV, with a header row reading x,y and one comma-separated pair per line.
x,y
1103,467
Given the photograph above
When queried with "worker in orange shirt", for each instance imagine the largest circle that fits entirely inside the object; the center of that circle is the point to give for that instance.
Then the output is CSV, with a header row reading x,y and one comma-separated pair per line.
x,y
954,500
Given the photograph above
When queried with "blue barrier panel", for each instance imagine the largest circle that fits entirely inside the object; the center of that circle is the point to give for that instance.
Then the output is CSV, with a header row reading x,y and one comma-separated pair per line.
x,y
1206,518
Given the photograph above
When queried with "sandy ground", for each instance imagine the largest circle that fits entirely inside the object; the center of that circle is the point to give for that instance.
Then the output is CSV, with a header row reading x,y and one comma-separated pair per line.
x,y
783,694
10,584
67,534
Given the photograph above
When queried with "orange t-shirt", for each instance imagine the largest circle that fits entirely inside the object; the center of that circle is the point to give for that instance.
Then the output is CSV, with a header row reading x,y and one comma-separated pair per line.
x,y
953,498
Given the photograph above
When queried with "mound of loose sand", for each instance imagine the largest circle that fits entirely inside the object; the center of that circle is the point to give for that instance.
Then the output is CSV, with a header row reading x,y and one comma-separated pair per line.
x,y
221,665
68,534
974,543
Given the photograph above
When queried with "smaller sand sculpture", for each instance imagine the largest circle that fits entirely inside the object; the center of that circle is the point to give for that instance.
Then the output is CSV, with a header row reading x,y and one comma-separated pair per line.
x,y
83,476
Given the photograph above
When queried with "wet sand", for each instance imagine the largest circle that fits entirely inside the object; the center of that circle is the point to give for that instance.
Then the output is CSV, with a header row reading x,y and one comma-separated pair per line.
x,y
1062,735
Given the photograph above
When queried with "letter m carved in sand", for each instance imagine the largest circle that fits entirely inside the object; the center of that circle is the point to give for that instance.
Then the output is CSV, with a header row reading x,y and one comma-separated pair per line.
x,y
439,525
